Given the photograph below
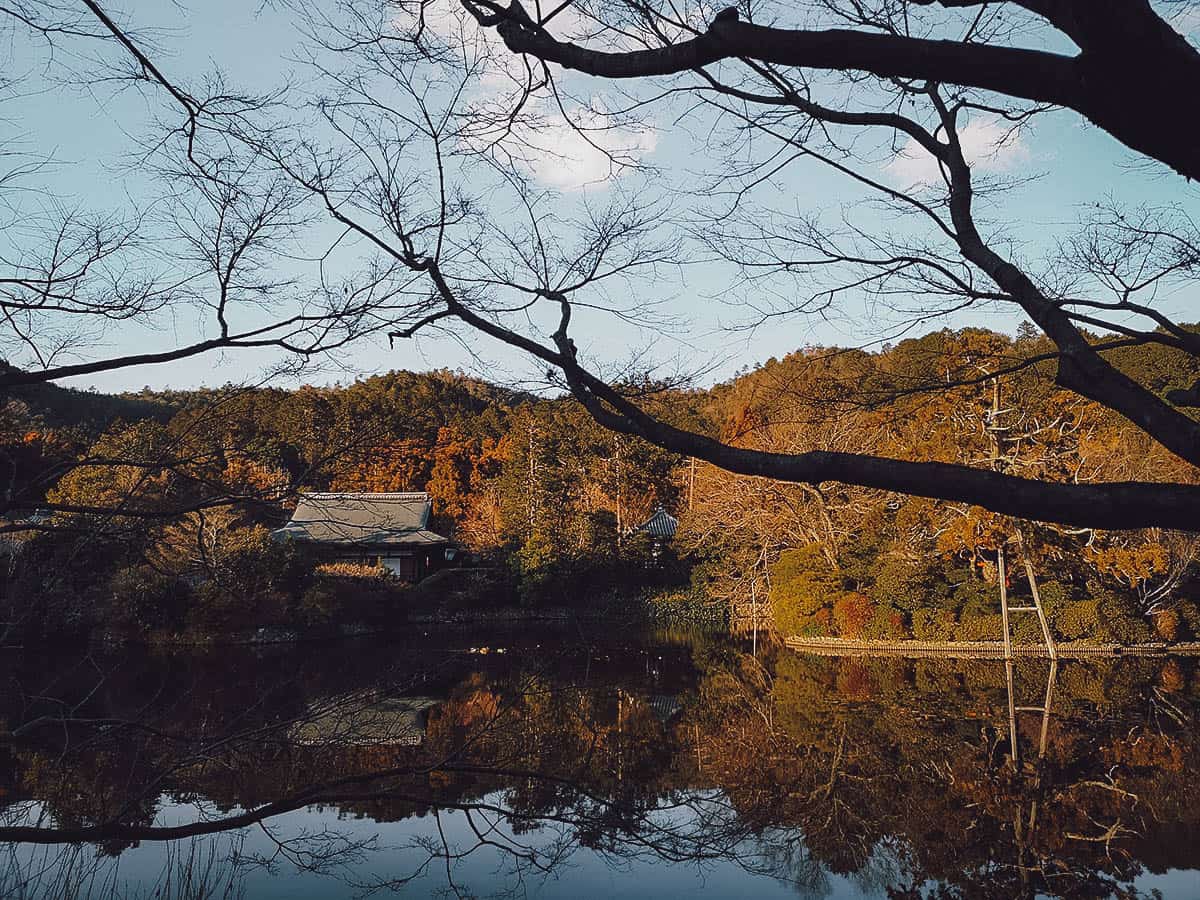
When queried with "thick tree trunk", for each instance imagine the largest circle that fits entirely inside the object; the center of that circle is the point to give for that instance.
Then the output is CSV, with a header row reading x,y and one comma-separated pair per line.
x,y
1128,80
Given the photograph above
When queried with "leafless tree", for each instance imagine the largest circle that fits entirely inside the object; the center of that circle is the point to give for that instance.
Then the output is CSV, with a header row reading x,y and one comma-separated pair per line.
x,y
911,74
431,175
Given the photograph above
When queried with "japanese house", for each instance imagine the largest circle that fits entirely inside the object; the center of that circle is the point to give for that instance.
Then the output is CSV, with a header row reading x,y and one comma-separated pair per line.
x,y
391,530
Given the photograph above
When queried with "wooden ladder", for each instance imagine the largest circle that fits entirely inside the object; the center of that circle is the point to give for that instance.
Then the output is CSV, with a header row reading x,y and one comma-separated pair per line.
x,y
1047,637
1025,826
995,434
1006,610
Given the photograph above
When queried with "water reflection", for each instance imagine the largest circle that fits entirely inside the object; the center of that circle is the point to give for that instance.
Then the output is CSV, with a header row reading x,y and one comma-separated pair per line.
x,y
640,765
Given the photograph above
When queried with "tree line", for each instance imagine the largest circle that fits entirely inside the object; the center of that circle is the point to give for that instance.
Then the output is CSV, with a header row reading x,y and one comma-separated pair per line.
x,y
160,518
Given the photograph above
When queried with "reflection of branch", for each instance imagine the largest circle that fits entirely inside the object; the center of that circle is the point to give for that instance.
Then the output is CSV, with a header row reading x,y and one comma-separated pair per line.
x,y
1105,837
329,792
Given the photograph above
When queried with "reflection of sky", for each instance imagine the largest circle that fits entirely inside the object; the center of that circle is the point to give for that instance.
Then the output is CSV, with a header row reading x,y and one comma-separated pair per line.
x,y
1175,883
388,852
256,43
359,851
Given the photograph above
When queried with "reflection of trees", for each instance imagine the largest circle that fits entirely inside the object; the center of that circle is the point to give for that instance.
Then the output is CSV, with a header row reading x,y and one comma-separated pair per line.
x,y
894,773
908,760
189,870
515,748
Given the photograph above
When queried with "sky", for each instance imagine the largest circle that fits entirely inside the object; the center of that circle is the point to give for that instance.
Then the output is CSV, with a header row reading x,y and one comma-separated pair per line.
x,y
91,133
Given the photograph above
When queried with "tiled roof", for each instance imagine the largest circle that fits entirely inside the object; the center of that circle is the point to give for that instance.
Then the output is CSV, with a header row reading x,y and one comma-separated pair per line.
x,y
660,525
362,519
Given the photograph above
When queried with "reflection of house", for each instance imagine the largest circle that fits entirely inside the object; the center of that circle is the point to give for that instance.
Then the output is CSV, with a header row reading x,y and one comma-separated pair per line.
x,y
665,707
389,529
364,720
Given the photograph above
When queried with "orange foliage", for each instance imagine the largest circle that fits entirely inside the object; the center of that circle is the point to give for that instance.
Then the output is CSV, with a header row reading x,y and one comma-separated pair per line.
x,y
852,612
401,466
1172,677
450,480
977,529
1166,624
246,475
854,681
1130,565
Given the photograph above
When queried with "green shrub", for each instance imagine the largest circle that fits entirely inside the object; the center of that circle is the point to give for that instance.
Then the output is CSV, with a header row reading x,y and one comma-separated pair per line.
x,y
1189,613
145,599
988,627
322,604
804,589
545,572
1122,621
1055,596
536,555
820,624
685,608
887,623
1078,620
902,583
972,599
251,584
1026,629
254,564
58,584
933,624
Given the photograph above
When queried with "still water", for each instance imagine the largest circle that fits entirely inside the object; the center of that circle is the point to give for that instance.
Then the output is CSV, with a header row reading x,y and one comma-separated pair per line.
x,y
576,765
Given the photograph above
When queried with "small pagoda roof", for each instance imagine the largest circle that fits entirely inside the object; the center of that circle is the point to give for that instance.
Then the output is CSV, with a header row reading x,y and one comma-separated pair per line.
x,y
660,525
362,519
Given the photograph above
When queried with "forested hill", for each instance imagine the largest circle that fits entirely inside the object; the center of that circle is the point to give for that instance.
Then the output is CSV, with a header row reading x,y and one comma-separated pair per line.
x,y
426,399
536,485
59,408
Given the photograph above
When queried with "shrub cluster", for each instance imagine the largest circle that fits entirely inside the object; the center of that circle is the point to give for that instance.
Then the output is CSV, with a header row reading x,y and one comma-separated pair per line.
x,y
890,598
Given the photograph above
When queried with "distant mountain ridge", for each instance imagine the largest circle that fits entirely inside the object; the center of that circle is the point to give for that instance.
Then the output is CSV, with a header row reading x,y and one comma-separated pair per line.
x,y
61,407
55,407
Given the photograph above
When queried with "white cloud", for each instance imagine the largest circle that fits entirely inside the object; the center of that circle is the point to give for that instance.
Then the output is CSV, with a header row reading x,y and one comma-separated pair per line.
x,y
587,153
989,144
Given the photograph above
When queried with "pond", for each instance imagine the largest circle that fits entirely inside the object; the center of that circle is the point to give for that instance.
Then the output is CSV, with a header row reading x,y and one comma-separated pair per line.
x,y
580,763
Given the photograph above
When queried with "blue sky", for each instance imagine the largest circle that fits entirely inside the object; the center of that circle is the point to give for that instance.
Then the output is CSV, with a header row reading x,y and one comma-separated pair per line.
x,y
89,134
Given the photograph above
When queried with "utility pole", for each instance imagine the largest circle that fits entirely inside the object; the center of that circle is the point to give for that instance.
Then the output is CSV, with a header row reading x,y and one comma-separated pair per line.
x,y
754,614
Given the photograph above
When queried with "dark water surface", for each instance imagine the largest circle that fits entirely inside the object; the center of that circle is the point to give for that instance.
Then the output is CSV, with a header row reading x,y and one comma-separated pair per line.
x,y
582,764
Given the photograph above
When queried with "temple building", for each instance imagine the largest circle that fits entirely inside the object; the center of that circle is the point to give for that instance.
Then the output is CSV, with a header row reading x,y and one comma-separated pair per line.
x,y
661,526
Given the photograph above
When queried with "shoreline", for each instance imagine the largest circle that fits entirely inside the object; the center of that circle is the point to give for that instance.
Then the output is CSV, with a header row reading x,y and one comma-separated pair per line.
x,y
981,649
499,617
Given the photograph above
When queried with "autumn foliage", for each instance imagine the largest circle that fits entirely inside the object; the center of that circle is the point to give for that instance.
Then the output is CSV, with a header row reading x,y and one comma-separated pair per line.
x,y
536,488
